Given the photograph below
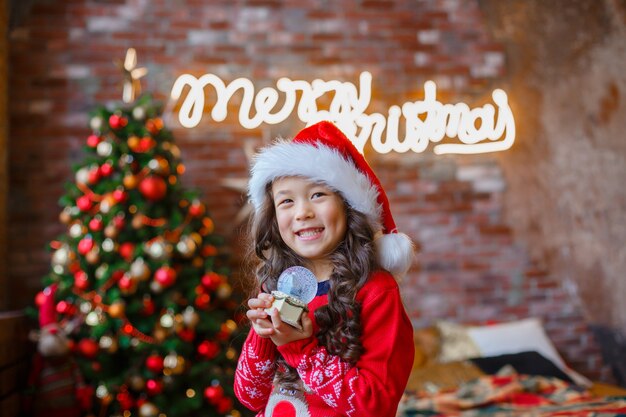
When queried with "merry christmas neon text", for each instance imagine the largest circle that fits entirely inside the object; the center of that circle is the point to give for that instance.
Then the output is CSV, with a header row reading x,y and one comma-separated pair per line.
x,y
479,130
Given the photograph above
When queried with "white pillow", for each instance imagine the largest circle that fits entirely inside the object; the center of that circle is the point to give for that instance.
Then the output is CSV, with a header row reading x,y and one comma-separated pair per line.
x,y
520,336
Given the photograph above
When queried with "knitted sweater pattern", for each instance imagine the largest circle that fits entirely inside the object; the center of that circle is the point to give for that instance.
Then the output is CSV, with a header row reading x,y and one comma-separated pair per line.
x,y
332,387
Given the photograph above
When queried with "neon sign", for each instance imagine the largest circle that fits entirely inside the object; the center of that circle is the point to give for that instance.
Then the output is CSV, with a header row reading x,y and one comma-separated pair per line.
x,y
479,130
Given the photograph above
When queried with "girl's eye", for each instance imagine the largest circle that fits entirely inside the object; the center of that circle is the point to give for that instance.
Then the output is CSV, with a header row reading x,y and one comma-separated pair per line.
x,y
285,201
318,194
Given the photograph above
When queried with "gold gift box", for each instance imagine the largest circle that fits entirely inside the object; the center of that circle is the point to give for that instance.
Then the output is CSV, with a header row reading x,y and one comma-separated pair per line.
x,y
289,308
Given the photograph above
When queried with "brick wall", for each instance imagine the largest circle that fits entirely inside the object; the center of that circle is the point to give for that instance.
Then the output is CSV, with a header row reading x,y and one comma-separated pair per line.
x,y
471,267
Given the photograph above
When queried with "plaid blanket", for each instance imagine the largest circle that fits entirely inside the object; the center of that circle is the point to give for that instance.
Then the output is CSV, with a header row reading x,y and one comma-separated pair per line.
x,y
512,395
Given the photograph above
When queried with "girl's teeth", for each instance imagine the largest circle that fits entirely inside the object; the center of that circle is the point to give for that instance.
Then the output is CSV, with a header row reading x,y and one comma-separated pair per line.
x,y
308,233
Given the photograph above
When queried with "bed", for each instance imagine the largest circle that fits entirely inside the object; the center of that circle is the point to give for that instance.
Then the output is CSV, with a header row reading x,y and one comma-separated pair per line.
x,y
508,369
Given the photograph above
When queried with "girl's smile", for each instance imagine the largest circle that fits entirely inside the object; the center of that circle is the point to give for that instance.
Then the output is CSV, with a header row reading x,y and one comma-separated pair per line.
x,y
311,220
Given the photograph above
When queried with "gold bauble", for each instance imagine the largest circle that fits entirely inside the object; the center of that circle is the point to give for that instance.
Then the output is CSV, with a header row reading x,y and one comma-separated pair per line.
x,y
190,317
186,247
139,270
93,256
65,216
130,181
224,290
136,382
137,221
133,142
117,309
160,334
148,410
111,231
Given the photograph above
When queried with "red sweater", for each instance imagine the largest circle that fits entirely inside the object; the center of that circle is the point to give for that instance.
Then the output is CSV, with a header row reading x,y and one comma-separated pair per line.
x,y
333,388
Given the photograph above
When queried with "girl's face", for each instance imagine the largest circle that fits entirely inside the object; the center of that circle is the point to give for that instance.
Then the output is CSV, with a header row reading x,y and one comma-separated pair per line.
x,y
311,219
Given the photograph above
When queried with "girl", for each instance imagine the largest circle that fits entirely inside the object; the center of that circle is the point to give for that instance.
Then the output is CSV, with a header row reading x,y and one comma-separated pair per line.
x,y
318,204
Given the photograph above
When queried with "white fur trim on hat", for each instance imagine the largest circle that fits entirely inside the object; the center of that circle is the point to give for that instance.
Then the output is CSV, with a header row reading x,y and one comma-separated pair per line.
x,y
318,163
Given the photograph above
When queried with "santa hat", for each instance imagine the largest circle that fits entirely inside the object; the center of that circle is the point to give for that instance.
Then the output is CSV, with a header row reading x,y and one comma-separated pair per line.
x,y
321,152
47,310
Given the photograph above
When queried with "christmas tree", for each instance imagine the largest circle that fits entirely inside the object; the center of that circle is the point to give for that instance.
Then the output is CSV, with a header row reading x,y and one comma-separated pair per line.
x,y
140,270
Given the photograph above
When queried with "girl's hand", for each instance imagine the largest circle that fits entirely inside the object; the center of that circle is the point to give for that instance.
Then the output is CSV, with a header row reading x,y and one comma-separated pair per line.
x,y
283,333
258,317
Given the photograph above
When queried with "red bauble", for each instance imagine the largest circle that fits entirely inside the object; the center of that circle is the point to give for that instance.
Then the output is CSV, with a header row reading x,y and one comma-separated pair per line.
x,y
84,203
165,276
93,176
96,224
119,195
154,387
81,280
196,209
88,348
85,245
203,301
154,363
63,307
208,349
187,335
93,140
126,283
117,122
106,169
214,393
211,281
224,405
153,188
148,307
118,221
126,250
125,399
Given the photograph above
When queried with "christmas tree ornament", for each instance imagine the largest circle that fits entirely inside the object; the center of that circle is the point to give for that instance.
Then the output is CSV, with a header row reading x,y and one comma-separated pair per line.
x,y
96,224
93,141
117,309
190,317
93,256
139,113
154,125
105,206
96,123
133,142
108,245
154,363
84,203
88,348
213,393
81,280
137,221
145,144
119,196
186,247
167,320
224,291
139,270
158,249
188,335
127,285
196,209
106,169
154,387
231,353
85,245
102,391
85,307
102,268
148,409
104,149
174,363
94,175
159,165
208,349
63,307
126,250
125,400
211,281
65,216
203,301
224,404
82,175
165,276
117,121
155,287
136,382
77,230
94,317
111,231
160,334
130,181
153,188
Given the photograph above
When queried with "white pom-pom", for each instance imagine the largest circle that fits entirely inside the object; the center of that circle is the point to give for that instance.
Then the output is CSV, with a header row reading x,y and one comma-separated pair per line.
x,y
395,253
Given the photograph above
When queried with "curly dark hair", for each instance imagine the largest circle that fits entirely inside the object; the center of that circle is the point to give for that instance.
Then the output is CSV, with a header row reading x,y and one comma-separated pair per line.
x,y
353,261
